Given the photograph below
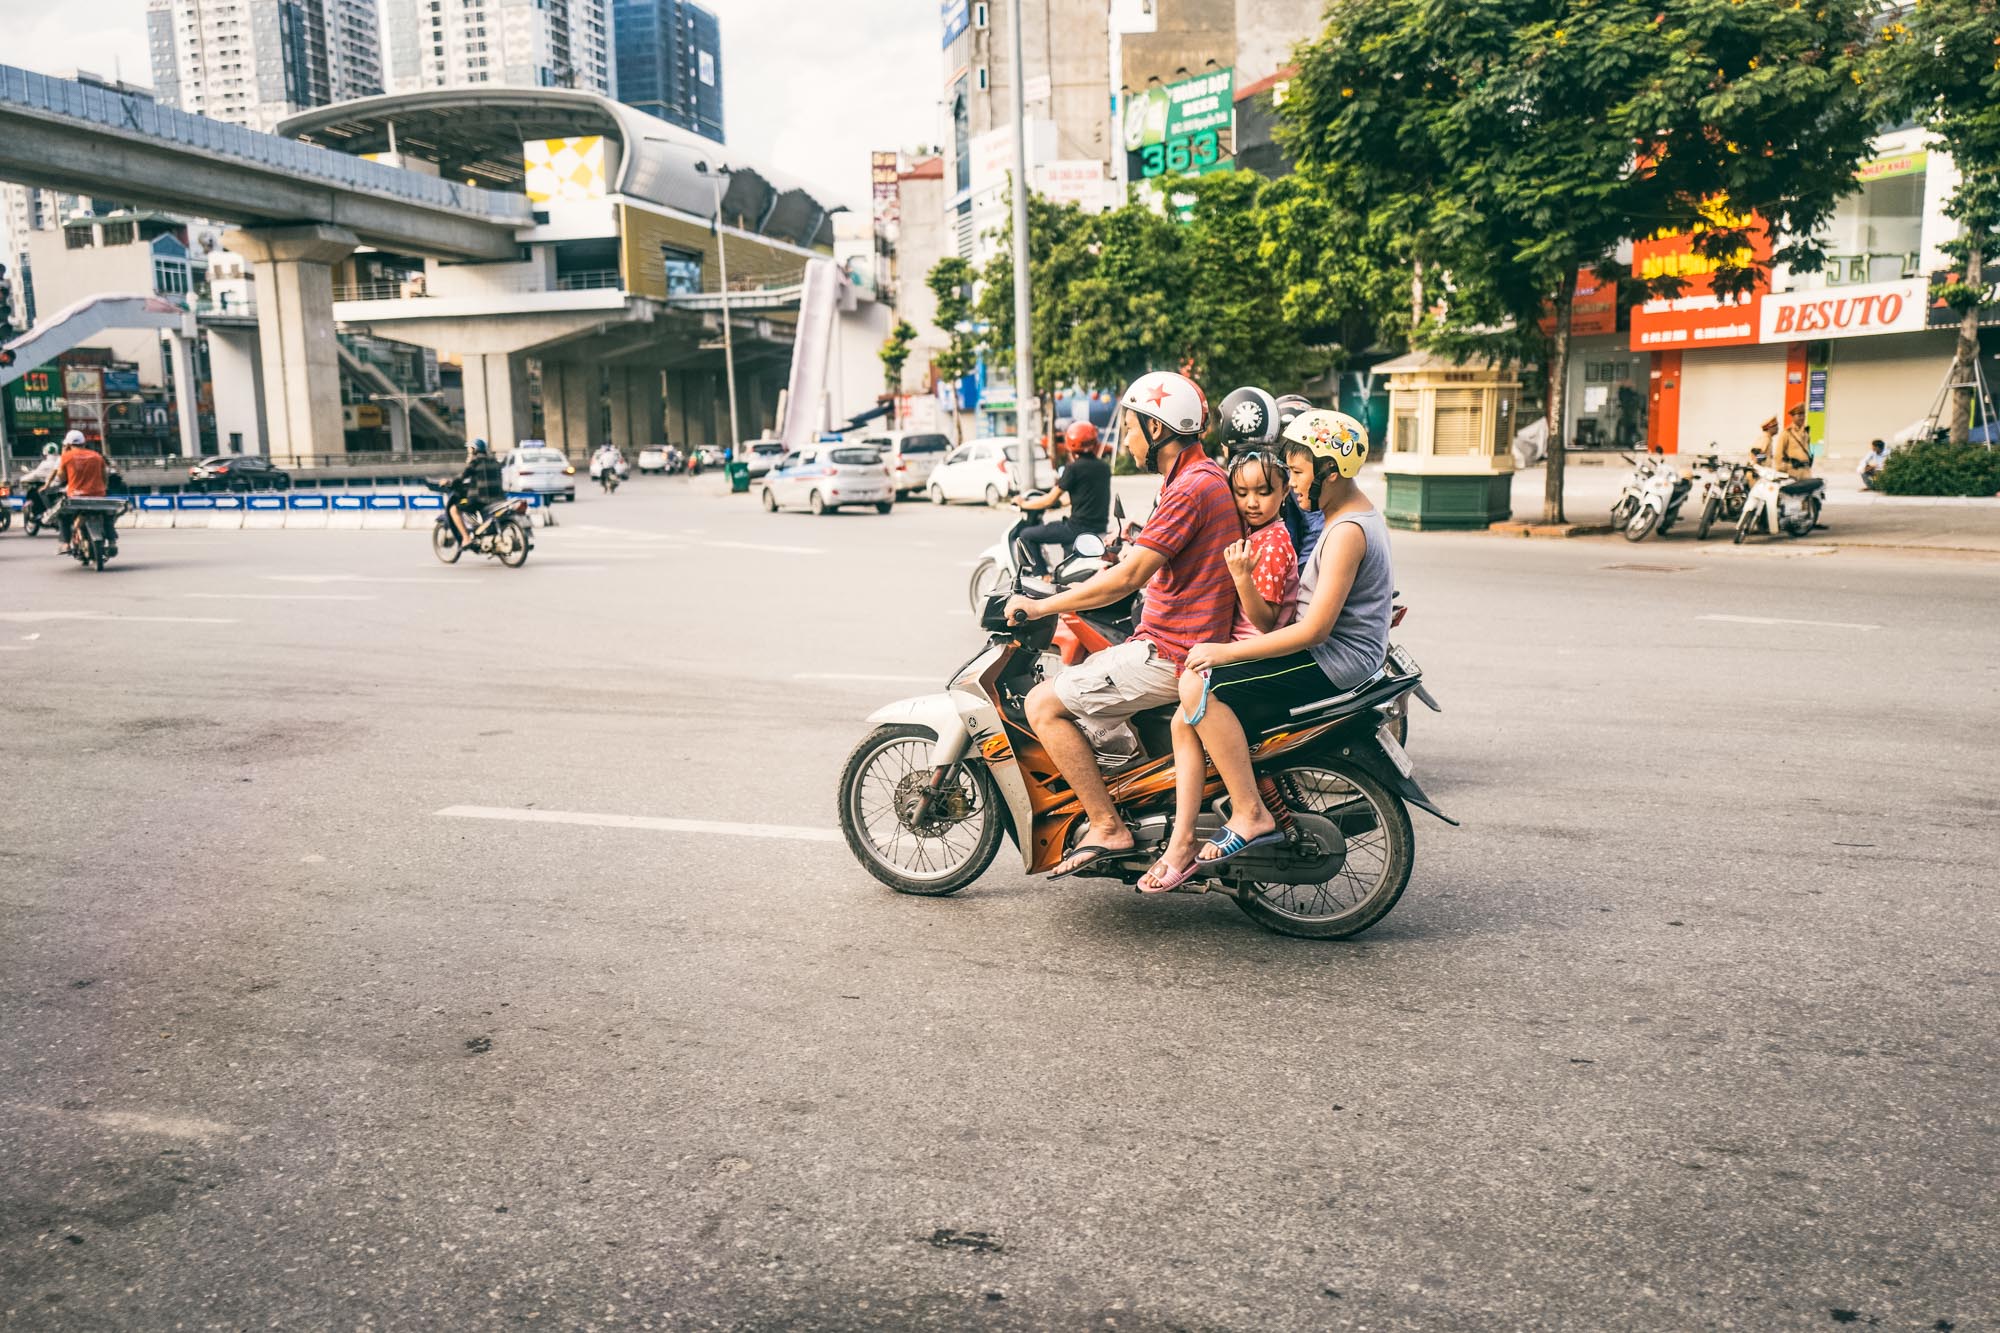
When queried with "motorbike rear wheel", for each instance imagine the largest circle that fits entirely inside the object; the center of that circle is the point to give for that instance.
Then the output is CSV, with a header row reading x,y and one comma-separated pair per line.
x,y
511,543
882,794
1380,849
1640,525
1709,510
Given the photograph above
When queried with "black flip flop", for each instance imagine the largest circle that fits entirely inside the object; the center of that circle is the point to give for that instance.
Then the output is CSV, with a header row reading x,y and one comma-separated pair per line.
x,y
1095,854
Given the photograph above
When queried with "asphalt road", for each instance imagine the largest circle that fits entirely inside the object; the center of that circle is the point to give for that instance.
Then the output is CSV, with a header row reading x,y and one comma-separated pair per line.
x,y
1691,1025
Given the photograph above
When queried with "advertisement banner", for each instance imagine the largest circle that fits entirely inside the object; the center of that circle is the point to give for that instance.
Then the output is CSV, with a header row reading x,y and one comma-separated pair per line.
x,y
957,17
1181,129
564,170
1913,163
1592,312
883,170
37,402
1697,317
1846,312
1080,182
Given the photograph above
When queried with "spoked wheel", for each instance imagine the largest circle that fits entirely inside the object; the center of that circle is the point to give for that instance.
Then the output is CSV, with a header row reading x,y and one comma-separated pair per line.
x,y
444,543
910,837
511,543
1709,509
987,577
1374,858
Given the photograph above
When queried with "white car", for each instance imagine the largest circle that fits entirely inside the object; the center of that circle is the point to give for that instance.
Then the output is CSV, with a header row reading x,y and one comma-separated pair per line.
x,y
988,471
761,456
823,477
912,456
624,468
654,458
536,469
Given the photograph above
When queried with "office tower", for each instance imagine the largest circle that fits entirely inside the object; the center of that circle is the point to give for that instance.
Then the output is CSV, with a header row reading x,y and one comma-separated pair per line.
x,y
254,62
669,61
512,43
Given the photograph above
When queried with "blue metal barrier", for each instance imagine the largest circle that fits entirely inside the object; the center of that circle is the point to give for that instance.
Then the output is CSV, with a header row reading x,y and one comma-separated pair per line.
x,y
316,503
265,503
385,501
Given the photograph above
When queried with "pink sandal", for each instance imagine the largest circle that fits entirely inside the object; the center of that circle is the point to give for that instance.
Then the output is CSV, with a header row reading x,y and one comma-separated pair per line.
x,y
1173,879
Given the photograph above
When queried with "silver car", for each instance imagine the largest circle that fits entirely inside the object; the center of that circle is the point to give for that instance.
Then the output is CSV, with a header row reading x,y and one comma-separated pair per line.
x,y
823,477
912,456
761,456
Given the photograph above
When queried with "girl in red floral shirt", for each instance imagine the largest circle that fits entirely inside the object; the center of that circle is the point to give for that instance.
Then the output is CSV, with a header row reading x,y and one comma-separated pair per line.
x,y
1265,564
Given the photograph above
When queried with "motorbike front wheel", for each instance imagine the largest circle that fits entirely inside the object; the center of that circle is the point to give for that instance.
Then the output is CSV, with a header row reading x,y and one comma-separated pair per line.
x,y
1709,510
1744,523
1377,852
444,542
986,579
511,543
30,523
1641,524
904,834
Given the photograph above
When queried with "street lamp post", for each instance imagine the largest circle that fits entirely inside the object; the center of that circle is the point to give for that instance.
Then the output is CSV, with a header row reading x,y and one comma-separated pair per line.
x,y
1024,364
715,176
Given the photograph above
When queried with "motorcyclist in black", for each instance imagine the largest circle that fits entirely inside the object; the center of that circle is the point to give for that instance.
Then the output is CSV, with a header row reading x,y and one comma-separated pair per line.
x,y
1085,485
477,486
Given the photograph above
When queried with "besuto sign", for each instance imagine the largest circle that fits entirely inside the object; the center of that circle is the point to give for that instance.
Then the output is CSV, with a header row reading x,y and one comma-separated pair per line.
x,y
1845,312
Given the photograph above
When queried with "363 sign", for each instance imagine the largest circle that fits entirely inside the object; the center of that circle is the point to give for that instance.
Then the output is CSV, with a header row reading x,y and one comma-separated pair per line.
x,y
1180,129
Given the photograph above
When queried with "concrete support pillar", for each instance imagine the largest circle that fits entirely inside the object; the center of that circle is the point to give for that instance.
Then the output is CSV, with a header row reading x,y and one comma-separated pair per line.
x,y
622,432
233,377
295,334
570,401
180,349
396,417
496,398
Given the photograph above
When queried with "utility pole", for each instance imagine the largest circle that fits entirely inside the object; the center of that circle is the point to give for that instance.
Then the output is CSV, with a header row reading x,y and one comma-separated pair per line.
x,y
1024,356
728,341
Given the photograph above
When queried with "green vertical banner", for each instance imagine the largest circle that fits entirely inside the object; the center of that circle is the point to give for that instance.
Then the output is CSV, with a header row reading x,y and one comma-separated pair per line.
x,y
1819,358
1181,129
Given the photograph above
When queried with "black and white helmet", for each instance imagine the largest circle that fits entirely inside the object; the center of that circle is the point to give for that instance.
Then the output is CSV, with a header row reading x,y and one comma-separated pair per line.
x,y
1249,419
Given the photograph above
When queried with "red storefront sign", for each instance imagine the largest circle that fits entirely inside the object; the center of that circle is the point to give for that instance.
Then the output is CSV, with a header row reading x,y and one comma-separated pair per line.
x,y
1593,310
1697,317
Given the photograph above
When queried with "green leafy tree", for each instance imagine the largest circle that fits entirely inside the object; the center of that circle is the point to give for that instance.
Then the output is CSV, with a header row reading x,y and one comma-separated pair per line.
x,y
1234,331
950,281
1058,240
1941,63
895,354
1343,277
1516,141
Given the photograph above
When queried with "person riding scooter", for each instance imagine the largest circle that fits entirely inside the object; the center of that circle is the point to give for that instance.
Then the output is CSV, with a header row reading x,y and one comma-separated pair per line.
x,y
1084,483
475,487
1193,600
79,472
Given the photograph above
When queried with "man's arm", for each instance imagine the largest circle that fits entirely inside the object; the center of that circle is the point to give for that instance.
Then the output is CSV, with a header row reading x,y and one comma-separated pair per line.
x,y
1051,500
1121,580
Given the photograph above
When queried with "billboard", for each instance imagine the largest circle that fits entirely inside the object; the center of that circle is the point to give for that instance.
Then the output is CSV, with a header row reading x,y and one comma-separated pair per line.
x,y
1900,306
1698,317
1180,129
957,17
36,400
564,170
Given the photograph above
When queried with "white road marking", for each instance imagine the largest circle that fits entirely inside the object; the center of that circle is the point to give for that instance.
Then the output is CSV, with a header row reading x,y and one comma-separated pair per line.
x,y
1780,620
863,675
792,832
35,617
355,578
282,596
770,549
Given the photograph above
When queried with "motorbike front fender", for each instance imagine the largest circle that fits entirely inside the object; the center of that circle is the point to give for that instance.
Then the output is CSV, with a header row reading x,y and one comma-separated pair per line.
x,y
937,713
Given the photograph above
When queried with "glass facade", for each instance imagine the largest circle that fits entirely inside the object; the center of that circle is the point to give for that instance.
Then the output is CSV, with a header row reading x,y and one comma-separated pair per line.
x,y
668,56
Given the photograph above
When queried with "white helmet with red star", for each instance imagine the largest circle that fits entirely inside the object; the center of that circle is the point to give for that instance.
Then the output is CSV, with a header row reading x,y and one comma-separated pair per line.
x,y
1172,399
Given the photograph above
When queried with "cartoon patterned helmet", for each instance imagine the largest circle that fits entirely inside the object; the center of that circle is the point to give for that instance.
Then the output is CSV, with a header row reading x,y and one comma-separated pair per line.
x,y
1335,435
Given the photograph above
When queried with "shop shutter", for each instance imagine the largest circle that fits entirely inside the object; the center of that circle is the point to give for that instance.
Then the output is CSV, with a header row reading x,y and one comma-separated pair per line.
x,y
1458,424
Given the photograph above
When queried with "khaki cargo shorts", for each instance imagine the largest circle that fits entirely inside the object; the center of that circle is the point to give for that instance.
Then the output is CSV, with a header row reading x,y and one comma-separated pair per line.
x,y
1124,679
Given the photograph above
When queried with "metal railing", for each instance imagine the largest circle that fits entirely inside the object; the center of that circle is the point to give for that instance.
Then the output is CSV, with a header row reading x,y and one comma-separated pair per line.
x,y
132,116
588,280
387,289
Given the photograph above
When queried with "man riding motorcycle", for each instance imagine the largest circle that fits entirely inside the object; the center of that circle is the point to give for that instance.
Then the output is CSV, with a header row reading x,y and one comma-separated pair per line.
x,y
79,472
1162,415
1084,483
475,487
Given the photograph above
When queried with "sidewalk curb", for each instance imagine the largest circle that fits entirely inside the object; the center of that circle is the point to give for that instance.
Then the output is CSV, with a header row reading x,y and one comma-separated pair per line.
x,y
1548,530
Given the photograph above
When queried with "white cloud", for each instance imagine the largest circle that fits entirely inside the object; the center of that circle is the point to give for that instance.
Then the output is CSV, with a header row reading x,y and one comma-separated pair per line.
x,y
810,97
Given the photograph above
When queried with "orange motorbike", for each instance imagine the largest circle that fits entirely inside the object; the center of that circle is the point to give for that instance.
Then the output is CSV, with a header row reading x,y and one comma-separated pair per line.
x,y
927,796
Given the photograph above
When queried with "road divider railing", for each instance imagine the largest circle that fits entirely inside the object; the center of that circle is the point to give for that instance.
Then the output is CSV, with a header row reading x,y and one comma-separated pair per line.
x,y
372,510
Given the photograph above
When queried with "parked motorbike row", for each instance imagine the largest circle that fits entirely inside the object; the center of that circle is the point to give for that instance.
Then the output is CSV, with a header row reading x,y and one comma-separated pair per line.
x,y
89,522
1752,497
929,794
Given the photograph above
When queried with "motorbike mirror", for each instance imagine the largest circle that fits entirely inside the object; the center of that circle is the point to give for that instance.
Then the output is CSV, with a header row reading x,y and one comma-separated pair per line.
x,y
1090,544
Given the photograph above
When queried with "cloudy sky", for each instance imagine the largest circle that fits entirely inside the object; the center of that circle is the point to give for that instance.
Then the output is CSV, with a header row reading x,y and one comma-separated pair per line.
x,y
804,83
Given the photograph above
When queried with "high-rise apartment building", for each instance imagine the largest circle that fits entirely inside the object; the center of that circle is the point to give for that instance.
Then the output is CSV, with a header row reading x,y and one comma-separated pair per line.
x,y
254,62
513,43
669,62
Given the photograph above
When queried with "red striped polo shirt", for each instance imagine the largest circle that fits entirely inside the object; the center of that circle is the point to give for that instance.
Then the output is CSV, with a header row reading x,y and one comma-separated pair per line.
x,y
1192,599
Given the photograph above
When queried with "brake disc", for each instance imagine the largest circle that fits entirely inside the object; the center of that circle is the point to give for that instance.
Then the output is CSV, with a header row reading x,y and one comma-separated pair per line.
x,y
927,813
